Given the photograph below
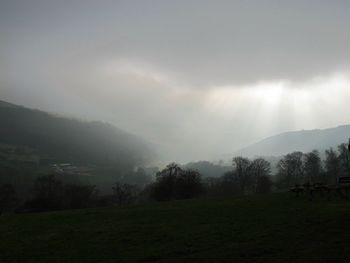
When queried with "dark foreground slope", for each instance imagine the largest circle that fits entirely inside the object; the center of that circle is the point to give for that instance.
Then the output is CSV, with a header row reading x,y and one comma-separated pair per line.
x,y
273,228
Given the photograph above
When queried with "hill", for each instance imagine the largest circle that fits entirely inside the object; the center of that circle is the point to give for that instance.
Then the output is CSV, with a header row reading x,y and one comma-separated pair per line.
x,y
208,169
305,140
270,228
69,140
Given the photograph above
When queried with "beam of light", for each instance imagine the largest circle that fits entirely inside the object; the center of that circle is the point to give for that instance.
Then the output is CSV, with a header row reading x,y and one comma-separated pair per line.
x,y
267,108
228,115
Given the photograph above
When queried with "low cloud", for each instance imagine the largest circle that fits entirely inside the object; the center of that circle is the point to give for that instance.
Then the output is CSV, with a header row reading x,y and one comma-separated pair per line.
x,y
198,78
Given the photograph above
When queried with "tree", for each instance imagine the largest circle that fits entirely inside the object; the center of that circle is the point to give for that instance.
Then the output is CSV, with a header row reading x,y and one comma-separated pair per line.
x,y
290,170
188,184
312,167
164,188
175,183
344,160
242,171
259,168
332,165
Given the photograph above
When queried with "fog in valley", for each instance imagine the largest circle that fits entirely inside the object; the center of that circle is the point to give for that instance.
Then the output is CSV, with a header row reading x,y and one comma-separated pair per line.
x,y
196,79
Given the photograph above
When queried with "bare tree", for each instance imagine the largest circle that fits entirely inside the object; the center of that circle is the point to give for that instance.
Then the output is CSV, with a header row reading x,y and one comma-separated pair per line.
x,y
290,169
344,159
332,165
242,171
164,188
259,168
175,183
312,167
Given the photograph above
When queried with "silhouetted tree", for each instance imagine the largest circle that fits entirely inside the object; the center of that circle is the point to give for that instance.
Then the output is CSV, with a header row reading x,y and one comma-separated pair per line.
x,y
242,171
290,170
188,184
344,159
175,183
246,177
313,167
332,165
164,187
259,168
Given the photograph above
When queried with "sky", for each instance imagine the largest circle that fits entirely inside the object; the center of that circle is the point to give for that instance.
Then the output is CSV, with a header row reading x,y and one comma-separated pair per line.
x,y
198,79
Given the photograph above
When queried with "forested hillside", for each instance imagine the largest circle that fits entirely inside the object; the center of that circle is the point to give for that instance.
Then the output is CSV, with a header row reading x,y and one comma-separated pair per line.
x,y
69,140
32,141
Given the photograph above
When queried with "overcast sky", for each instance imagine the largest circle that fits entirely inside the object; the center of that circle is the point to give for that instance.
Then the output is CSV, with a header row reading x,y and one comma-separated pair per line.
x,y
198,78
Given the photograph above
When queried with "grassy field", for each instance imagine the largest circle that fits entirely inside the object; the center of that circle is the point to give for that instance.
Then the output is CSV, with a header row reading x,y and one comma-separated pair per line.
x,y
271,228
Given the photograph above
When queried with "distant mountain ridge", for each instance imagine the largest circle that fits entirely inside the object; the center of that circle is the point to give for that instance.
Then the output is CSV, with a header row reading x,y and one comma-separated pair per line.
x,y
304,140
70,140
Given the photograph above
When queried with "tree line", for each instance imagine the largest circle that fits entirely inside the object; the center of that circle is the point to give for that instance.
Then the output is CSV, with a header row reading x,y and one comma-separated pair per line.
x,y
246,176
309,168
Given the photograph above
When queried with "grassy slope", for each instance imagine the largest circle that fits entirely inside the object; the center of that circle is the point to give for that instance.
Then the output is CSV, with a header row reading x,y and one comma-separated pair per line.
x,y
273,228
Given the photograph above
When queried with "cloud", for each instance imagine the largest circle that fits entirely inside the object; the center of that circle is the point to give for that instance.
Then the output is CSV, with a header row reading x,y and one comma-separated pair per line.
x,y
201,42
199,78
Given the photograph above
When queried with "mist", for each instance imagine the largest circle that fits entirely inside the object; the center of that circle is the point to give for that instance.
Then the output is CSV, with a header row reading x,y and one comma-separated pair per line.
x,y
197,79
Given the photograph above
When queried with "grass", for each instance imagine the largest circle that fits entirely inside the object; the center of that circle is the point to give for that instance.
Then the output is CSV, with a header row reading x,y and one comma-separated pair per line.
x,y
270,228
